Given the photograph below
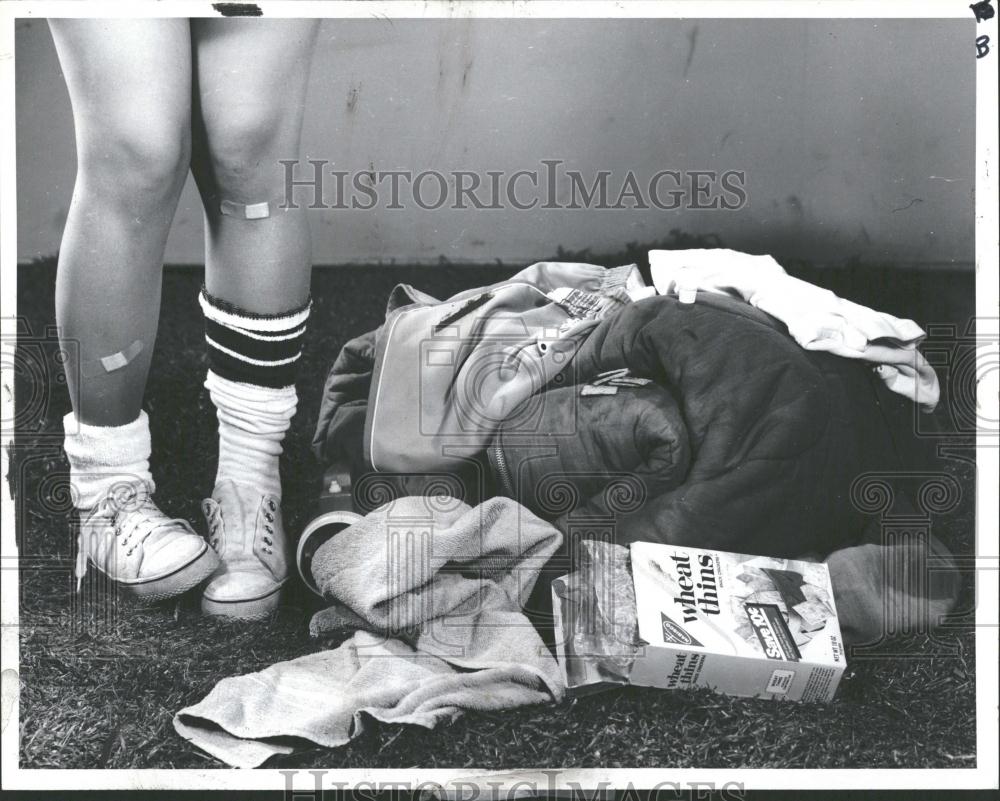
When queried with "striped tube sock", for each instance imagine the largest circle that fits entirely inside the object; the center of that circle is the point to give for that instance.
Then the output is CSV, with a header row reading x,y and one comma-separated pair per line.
x,y
252,360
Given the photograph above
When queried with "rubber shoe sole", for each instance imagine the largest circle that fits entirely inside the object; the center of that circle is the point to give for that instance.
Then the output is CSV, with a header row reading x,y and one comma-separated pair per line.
x,y
245,608
319,531
173,584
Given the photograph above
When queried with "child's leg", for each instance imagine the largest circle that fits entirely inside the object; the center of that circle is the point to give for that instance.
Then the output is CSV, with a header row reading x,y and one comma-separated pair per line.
x,y
130,85
129,82
250,80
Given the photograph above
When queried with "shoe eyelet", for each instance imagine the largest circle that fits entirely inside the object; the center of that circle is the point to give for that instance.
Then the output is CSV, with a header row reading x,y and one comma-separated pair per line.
x,y
266,540
269,517
270,505
268,529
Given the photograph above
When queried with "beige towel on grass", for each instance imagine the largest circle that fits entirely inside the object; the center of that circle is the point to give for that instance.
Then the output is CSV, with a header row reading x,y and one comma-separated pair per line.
x,y
450,581
884,591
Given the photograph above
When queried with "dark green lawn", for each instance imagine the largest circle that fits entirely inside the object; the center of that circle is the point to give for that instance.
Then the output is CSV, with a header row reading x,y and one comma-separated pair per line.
x,y
101,681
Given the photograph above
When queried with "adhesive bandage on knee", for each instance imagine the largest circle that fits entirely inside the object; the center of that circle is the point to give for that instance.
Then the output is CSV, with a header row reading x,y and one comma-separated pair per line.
x,y
249,211
252,360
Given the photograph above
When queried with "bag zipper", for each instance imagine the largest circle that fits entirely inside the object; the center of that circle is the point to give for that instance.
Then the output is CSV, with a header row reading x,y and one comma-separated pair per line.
x,y
502,469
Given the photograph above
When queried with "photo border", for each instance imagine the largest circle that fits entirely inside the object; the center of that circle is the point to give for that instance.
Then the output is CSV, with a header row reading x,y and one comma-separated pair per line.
x,y
984,775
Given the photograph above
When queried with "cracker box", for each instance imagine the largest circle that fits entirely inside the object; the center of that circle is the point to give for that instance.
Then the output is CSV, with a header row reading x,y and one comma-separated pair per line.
x,y
742,625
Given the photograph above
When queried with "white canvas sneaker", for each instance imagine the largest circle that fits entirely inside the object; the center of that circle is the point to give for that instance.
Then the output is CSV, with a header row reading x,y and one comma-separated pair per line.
x,y
149,555
246,531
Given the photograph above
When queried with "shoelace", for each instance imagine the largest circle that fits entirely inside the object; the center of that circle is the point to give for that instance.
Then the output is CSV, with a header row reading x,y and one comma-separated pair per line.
x,y
129,525
213,514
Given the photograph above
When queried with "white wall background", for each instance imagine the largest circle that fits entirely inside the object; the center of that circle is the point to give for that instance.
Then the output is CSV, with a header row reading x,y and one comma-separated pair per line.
x,y
856,135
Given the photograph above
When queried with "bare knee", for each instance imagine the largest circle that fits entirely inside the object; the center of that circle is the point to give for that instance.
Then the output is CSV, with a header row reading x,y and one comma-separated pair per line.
x,y
141,166
246,150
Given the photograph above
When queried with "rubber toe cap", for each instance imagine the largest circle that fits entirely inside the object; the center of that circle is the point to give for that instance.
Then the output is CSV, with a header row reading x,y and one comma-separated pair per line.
x,y
240,586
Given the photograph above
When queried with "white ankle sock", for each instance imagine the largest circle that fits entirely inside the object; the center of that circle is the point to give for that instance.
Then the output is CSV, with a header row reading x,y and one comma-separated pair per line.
x,y
252,424
102,456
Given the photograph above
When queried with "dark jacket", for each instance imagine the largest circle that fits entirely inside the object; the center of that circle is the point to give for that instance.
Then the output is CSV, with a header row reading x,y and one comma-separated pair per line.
x,y
776,435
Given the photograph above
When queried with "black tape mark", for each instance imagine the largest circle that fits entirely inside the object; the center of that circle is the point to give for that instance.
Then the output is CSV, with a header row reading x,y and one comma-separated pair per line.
x,y
692,43
238,9
909,205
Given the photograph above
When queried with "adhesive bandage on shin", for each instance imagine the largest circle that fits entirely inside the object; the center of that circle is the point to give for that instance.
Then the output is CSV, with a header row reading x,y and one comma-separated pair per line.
x,y
252,361
112,362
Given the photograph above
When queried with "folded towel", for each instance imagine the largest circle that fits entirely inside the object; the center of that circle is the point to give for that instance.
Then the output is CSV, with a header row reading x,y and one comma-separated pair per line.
x,y
816,318
450,581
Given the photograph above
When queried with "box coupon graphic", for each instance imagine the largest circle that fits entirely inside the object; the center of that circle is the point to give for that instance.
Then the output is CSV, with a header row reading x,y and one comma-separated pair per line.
x,y
773,633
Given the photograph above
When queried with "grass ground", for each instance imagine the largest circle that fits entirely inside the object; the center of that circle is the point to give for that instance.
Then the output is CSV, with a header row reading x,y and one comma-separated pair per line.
x,y
100,681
